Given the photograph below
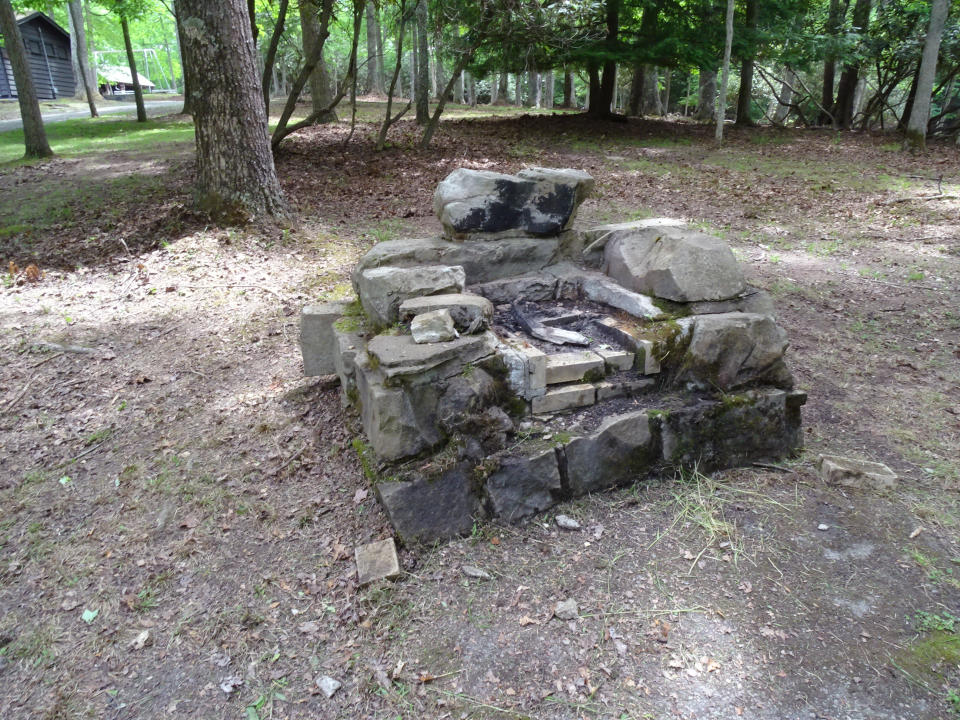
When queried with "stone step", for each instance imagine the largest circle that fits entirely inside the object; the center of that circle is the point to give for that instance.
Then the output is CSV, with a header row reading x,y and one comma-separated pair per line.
x,y
564,398
572,366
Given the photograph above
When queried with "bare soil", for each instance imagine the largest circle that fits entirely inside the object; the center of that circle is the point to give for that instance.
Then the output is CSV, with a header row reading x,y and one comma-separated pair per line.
x,y
180,506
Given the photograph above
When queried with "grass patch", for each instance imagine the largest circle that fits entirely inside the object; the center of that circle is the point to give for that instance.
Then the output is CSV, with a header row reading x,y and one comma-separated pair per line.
x,y
104,134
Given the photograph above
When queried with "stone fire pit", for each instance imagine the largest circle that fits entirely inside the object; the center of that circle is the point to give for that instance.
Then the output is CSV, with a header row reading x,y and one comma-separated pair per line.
x,y
517,362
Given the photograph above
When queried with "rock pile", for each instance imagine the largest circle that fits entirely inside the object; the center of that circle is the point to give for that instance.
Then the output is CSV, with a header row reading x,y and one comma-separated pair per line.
x,y
516,362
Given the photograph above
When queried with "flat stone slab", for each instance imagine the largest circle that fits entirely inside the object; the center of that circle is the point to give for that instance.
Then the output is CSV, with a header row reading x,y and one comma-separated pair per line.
x,y
571,366
533,287
483,261
675,263
377,561
382,290
607,390
537,201
469,312
564,398
855,473
401,355
603,290
595,239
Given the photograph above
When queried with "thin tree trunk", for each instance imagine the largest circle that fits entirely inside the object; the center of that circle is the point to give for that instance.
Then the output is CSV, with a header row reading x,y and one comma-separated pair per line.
x,y
636,91
722,99
707,96
389,119
602,99
132,62
665,108
567,88
413,63
321,91
423,69
533,89
236,178
91,49
495,88
548,90
473,90
435,118
517,90
458,90
916,137
374,51
78,40
272,52
438,71
34,134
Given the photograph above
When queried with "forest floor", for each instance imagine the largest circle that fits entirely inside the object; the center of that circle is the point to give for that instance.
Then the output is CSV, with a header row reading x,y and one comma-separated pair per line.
x,y
180,506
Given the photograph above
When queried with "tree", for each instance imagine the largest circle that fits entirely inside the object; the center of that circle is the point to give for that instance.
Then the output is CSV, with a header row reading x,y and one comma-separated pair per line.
x,y
375,75
423,66
745,96
78,44
321,89
34,135
722,99
127,9
916,137
236,178
843,111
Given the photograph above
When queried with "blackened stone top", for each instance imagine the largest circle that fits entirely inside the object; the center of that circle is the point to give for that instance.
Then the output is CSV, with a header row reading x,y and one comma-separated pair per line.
x,y
535,201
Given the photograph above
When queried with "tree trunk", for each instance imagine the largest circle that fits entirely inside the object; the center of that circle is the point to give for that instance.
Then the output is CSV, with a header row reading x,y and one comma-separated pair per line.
x,y
473,90
745,96
651,92
271,57
423,69
548,90
834,18
636,91
458,90
188,108
707,96
91,49
602,99
567,89
132,62
722,99
374,51
438,72
236,178
321,89
414,70
916,137
78,43
34,135
533,89
665,108
495,88
844,107
517,90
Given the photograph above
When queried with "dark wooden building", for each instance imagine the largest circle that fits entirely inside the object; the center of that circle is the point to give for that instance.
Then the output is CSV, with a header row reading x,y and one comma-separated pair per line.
x,y
48,49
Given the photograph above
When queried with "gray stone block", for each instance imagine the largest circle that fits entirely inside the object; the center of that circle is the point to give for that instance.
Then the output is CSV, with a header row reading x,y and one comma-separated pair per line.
x,y
534,287
482,260
523,486
398,423
431,509
571,366
377,561
435,326
399,356
383,289
752,301
675,263
564,398
620,452
317,342
469,312
537,201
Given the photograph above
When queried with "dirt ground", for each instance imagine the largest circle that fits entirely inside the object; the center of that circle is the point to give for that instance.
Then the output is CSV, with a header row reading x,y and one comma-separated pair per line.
x,y
180,506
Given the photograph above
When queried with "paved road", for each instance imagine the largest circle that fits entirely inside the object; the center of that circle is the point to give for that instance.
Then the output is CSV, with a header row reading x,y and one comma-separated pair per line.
x,y
154,107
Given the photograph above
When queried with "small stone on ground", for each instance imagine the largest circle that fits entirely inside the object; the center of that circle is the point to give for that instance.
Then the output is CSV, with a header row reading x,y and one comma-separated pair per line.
x,y
328,685
567,610
565,522
376,561
474,572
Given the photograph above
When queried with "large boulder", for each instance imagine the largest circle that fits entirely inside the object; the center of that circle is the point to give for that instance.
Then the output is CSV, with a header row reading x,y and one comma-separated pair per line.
x,y
482,261
383,289
595,239
535,201
733,350
675,263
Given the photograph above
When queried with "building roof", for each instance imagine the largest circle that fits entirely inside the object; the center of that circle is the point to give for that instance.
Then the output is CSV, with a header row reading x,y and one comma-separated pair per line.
x,y
121,74
27,17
